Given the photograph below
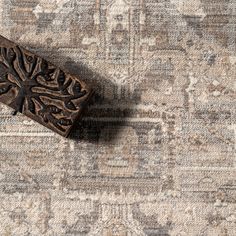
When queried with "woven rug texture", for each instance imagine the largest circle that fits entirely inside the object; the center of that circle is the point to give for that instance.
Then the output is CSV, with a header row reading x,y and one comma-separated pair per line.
x,y
154,154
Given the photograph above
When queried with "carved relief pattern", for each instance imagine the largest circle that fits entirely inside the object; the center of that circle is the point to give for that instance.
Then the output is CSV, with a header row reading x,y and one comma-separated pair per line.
x,y
35,82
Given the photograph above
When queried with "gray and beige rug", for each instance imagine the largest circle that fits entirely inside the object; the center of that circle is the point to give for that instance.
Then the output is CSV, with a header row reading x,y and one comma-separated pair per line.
x,y
155,152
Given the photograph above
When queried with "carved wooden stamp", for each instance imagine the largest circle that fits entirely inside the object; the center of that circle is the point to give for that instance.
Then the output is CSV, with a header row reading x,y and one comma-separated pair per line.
x,y
35,87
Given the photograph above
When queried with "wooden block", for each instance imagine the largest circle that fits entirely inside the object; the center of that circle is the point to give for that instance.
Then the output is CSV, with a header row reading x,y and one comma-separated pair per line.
x,y
35,87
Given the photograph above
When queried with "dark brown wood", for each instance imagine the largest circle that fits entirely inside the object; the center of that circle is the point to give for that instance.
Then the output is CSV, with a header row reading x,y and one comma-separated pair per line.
x,y
35,87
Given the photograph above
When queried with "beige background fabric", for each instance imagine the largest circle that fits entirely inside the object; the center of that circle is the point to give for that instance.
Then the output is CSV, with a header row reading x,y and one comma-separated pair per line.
x,y
155,152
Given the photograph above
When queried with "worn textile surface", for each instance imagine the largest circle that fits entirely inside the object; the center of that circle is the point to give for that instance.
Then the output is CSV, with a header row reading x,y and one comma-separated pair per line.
x,y
155,153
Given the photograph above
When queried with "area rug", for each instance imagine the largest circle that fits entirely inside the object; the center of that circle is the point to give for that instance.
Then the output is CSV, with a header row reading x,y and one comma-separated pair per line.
x,y
155,152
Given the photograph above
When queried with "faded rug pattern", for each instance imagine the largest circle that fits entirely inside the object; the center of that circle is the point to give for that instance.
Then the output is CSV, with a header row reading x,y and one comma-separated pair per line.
x,y
155,152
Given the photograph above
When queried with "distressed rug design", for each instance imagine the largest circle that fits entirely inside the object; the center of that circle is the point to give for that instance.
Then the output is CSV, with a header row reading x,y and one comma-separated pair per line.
x,y
155,152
